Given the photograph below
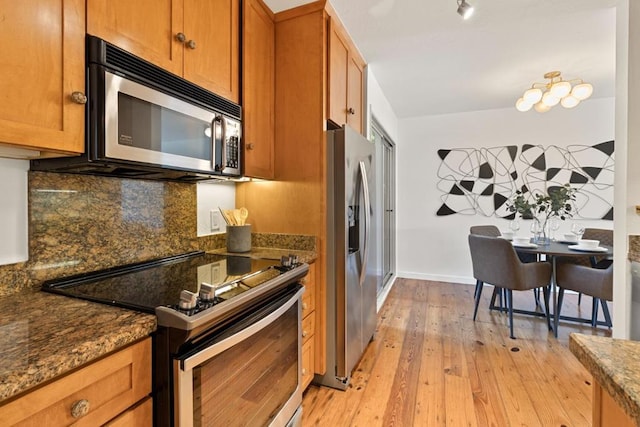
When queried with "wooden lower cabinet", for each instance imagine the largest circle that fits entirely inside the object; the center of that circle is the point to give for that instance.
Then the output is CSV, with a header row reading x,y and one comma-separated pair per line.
x,y
90,396
606,412
308,327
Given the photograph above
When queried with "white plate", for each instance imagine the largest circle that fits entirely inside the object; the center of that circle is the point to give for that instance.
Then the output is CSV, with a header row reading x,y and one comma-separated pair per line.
x,y
583,249
525,245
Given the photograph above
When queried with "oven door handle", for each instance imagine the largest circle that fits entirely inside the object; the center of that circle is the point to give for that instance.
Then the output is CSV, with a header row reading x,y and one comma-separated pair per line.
x,y
210,352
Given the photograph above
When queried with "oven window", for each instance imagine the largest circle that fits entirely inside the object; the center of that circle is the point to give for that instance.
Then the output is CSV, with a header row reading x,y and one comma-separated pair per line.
x,y
249,383
142,124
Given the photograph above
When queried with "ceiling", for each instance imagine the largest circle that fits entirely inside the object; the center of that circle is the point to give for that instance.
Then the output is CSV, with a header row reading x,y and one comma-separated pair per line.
x,y
428,60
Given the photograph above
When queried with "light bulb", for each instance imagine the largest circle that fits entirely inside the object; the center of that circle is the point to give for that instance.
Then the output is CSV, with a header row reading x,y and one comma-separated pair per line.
x,y
522,105
541,107
549,99
560,89
532,96
569,101
465,9
582,91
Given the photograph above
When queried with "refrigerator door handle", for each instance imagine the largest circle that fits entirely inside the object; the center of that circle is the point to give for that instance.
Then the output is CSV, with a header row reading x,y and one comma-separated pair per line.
x,y
367,224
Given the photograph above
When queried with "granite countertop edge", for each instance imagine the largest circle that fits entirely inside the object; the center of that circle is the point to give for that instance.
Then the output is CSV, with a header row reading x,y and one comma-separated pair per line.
x,y
55,334
610,361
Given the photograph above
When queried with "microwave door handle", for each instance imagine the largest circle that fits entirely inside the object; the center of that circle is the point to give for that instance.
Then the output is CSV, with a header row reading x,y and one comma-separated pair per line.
x,y
223,144
215,124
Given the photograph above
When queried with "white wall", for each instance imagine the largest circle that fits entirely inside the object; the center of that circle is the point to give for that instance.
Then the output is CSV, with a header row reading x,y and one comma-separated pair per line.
x,y
14,245
212,195
379,107
435,248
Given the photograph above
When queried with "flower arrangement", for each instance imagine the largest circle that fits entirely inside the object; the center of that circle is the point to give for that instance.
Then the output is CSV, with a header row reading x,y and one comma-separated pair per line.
x,y
557,203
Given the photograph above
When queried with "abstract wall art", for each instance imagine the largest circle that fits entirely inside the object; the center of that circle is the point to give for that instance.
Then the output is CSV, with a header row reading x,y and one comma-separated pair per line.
x,y
479,181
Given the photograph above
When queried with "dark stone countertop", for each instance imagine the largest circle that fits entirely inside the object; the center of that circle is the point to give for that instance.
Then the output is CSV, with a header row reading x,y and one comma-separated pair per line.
x,y
614,365
43,336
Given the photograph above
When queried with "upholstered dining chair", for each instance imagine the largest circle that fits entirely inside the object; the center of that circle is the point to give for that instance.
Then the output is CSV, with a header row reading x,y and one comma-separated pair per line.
x,y
595,282
493,231
496,262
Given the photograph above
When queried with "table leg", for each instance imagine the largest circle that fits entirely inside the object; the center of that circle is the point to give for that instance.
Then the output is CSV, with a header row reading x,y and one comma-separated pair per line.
x,y
556,318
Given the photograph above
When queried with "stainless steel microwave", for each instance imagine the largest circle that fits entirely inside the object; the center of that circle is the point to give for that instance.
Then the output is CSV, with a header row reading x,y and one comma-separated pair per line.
x,y
144,122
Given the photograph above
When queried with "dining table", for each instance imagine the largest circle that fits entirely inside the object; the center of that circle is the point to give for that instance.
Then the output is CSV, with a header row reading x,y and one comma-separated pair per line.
x,y
552,251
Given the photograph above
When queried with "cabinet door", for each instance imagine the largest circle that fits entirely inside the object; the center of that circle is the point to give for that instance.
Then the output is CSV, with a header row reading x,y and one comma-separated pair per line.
x,y
146,28
337,74
355,104
211,53
258,85
42,65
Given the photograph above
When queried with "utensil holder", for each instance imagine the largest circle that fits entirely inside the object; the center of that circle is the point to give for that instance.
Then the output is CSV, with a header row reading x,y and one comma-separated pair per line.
x,y
239,238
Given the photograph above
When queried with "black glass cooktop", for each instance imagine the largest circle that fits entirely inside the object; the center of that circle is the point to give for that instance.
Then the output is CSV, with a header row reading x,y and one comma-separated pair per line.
x,y
145,286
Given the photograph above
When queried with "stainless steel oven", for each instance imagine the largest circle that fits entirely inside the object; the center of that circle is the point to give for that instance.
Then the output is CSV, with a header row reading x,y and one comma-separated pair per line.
x,y
144,122
248,375
227,351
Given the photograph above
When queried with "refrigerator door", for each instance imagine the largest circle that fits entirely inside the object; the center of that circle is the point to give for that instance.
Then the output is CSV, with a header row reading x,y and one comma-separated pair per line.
x,y
351,283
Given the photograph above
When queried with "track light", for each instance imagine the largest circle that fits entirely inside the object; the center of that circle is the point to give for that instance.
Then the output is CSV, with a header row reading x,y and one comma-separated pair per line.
x,y
464,9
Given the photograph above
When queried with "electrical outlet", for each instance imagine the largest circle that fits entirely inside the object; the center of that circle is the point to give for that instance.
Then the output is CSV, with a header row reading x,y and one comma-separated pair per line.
x,y
215,219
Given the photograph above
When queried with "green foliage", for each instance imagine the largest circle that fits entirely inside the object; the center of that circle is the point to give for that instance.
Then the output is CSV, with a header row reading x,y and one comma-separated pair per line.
x,y
557,203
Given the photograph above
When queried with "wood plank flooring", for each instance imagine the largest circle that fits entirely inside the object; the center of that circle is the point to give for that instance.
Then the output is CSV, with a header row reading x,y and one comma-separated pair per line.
x,y
431,365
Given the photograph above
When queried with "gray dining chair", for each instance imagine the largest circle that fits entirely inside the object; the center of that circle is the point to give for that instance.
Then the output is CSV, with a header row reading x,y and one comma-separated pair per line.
x,y
595,282
496,262
493,231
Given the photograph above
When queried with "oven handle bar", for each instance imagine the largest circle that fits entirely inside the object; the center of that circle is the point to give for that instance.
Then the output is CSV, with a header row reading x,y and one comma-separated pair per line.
x,y
206,354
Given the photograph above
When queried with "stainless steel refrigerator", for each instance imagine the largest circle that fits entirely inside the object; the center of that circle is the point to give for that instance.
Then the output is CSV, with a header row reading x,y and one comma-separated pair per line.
x,y
351,254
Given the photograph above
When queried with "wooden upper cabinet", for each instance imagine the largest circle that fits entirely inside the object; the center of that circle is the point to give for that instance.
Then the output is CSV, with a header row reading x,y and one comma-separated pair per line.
x,y
258,89
146,28
194,39
211,50
42,65
345,78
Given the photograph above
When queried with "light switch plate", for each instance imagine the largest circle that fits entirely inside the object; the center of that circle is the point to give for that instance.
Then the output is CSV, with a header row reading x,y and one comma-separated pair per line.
x,y
215,219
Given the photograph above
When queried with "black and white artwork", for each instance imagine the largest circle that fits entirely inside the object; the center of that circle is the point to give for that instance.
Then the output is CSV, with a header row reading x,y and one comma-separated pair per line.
x,y
479,181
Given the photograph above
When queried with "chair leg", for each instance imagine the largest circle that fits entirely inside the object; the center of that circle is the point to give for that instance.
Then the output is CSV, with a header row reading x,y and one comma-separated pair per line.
x,y
579,297
605,310
510,308
546,293
594,312
556,316
536,296
479,286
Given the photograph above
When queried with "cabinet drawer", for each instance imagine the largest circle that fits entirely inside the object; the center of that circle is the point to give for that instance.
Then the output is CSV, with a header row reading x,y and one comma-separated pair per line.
x,y
309,296
307,363
89,396
140,415
308,327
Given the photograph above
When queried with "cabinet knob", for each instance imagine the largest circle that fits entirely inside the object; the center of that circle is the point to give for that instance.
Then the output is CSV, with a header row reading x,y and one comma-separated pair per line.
x,y
304,334
304,306
304,371
351,110
191,44
250,146
181,37
79,97
80,408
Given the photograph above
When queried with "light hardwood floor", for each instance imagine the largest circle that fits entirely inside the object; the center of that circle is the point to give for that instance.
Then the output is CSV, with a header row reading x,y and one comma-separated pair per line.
x,y
431,365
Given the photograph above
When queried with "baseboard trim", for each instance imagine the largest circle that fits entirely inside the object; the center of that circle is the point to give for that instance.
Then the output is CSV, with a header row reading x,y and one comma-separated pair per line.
x,y
437,277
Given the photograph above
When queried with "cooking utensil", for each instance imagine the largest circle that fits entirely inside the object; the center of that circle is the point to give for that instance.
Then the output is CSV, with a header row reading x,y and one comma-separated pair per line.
x,y
224,216
244,213
236,216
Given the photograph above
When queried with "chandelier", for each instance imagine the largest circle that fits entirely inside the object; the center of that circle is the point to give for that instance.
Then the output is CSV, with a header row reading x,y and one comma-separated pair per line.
x,y
543,96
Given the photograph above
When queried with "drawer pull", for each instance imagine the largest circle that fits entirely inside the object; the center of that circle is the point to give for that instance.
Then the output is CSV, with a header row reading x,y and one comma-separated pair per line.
x,y
181,37
304,371
80,408
304,306
79,97
304,334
